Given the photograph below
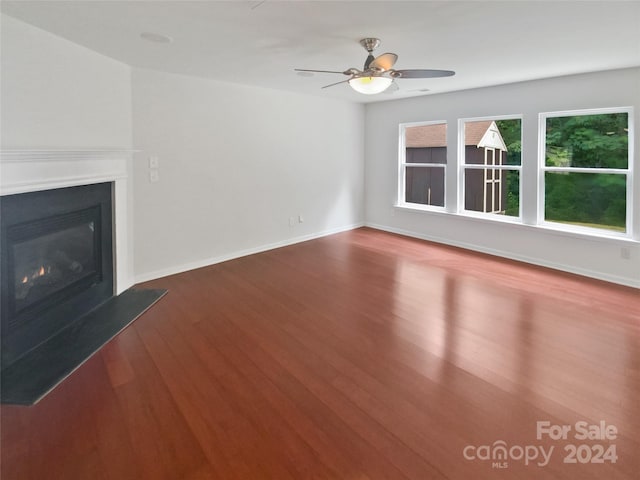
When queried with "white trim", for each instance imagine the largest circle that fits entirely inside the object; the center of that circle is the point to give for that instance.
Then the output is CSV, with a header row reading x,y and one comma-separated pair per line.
x,y
422,123
206,262
10,155
542,152
425,164
513,116
402,152
29,170
616,171
629,282
592,233
479,166
25,186
631,230
471,214
460,194
584,230
421,207
589,111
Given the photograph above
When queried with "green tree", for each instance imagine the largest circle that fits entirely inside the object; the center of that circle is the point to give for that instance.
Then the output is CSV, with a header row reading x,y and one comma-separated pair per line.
x,y
597,141
511,131
588,141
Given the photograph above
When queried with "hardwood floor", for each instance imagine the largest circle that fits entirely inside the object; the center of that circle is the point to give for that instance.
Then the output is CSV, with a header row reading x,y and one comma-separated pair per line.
x,y
363,355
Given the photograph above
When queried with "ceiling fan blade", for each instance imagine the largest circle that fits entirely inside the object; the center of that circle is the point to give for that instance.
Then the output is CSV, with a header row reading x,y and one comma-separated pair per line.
x,y
337,83
368,61
421,73
346,72
384,62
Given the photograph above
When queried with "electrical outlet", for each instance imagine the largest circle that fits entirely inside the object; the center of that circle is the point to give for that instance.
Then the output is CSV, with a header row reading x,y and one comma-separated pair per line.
x,y
154,176
154,162
625,253
292,221
300,218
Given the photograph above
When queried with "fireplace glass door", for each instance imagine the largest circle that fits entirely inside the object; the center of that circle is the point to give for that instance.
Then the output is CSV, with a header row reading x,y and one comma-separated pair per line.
x,y
52,258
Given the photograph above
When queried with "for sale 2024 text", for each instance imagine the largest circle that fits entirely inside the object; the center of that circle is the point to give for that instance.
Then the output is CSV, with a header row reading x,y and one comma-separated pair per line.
x,y
499,453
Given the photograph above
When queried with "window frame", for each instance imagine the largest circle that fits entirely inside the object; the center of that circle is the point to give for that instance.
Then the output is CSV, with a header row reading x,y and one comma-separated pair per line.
x,y
402,168
463,166
628,172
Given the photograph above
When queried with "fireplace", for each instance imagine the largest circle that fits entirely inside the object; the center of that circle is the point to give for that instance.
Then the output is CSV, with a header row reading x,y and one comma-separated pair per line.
x,y
57,262
66,269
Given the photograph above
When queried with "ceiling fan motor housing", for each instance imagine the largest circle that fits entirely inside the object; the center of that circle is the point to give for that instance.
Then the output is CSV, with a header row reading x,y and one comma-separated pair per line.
x,y
370,44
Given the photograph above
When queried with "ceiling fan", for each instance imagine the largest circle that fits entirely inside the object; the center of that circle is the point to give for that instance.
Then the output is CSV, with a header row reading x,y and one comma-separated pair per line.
x,y
378,72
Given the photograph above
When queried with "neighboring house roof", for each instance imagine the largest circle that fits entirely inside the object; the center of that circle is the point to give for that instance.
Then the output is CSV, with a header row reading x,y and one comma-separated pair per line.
x,y
483,133
426,136
474,131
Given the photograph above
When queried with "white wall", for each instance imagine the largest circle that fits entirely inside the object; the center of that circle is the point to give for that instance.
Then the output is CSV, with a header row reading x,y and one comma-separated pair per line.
x,y
56,93
599,258
235,163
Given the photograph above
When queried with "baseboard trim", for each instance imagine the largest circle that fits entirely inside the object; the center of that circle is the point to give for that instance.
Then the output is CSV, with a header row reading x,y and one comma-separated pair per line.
x,y
628,282
165,272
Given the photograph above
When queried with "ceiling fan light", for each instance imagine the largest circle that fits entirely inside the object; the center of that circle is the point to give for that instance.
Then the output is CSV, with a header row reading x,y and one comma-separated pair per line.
x,y
370,85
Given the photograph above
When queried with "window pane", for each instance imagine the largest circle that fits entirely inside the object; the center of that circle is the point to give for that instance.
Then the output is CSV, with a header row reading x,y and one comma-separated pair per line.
x,y
426,144
492,190
511,131
489,141
591,141
425,185
588,199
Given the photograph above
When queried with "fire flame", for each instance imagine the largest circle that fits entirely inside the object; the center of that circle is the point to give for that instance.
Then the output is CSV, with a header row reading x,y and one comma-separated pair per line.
x,y
37,273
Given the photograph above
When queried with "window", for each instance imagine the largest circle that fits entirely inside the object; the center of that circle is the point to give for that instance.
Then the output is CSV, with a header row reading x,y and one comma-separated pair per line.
x,y
491,163
423,158
585,169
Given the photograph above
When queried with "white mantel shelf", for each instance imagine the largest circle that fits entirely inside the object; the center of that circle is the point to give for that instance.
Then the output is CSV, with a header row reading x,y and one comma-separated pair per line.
x,y
35,169
9,155
28,170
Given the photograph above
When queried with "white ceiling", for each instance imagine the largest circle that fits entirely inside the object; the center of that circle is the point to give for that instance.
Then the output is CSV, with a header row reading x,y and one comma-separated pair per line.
x,y
260,43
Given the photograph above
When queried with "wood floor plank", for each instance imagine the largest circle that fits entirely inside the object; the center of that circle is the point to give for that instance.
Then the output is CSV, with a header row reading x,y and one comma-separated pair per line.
x,y
326,381
165,446
118,368
362,355
250,399
248,416
309,394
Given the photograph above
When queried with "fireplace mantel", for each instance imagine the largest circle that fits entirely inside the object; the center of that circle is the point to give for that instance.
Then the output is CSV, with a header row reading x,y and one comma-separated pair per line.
x,y
29,170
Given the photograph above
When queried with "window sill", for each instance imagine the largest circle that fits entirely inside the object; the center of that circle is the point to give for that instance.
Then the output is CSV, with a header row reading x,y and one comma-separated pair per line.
x,y
553,228
421,208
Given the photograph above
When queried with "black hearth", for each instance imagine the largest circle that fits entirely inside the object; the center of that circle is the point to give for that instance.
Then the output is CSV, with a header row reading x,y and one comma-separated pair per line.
x,y
57,262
